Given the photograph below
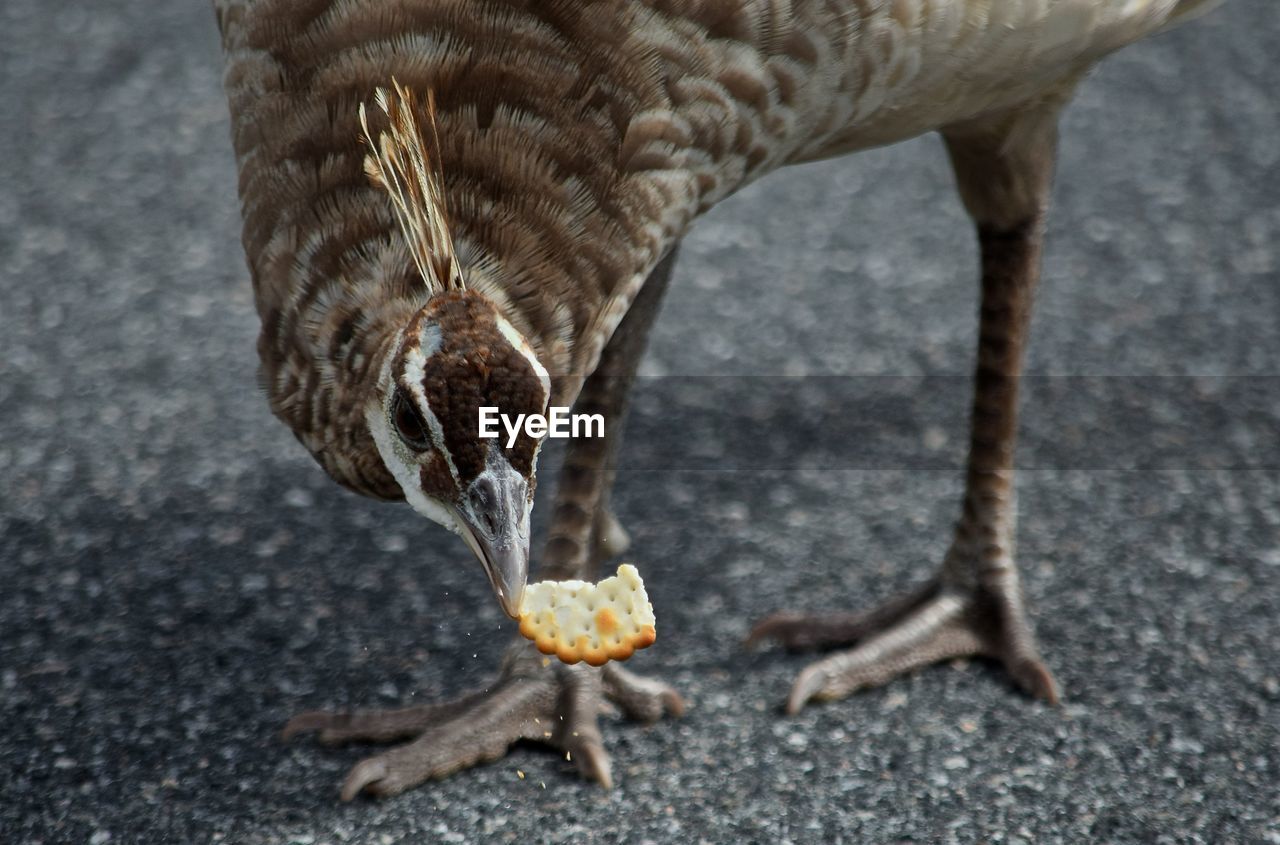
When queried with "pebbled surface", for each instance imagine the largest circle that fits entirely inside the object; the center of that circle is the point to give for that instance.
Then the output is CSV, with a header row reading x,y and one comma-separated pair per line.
x,y
177,577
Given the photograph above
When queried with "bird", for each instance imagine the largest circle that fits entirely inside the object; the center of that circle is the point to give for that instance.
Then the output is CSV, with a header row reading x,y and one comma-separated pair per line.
x,y
456,204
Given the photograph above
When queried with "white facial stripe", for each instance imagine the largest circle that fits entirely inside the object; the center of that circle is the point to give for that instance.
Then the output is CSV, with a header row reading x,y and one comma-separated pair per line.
x,y
429,339
406,473
415,365
415,368
515,339
395,456
537,449
437,431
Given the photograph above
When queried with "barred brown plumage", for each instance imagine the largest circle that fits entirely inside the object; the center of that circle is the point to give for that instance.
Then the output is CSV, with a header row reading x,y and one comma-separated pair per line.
x,y
516,259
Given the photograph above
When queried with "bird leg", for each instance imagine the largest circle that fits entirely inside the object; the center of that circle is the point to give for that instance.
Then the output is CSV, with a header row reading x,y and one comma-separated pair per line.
x,y
974,604
534,697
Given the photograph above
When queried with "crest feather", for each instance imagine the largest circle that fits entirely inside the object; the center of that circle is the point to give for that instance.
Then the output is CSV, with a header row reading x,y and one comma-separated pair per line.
x,y
400,162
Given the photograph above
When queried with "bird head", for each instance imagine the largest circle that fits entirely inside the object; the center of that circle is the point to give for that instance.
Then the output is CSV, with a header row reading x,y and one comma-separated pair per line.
x,y
457,355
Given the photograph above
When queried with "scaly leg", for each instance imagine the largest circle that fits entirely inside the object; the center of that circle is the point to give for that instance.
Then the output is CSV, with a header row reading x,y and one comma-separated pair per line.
x,y
974,605
534,697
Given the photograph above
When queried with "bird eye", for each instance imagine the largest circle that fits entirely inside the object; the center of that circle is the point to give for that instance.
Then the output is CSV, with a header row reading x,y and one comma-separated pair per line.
x,y
409,424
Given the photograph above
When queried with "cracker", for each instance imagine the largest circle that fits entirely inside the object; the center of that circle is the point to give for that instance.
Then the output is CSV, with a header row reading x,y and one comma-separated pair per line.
x,y
577,620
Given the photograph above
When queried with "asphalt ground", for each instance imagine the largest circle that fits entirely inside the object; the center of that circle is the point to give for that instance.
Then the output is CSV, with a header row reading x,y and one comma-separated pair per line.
x,y
177,577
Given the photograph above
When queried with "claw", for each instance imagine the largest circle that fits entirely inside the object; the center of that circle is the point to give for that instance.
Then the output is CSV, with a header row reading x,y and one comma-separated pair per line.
x,y
305,723
363,775
330,728
809,684
801,631
804,631
592,760
1034,677
770,627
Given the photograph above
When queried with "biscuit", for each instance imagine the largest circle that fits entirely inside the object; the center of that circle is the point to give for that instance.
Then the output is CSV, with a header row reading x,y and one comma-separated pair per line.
x,y
577,620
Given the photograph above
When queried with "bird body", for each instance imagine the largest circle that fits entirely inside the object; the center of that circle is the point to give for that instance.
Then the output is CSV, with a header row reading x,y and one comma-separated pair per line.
x,y
579,142
534,164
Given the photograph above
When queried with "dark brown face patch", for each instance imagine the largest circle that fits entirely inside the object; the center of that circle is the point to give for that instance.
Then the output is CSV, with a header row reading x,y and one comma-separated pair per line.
x,y
436,480
474,366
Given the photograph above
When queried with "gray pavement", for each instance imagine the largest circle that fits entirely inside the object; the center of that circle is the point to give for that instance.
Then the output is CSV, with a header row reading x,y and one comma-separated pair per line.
x,y
177,577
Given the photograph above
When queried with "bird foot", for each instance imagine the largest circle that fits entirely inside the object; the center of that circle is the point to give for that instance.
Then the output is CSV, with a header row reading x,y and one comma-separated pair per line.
x,y
933,623
534,698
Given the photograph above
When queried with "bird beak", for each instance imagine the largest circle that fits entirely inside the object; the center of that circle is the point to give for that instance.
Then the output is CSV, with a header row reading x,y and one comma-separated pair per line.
x,y
495,524
507,568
